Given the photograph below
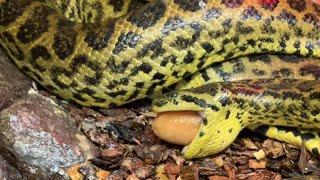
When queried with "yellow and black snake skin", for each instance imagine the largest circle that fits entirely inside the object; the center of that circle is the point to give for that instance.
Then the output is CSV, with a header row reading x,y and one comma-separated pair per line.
x,y
79,52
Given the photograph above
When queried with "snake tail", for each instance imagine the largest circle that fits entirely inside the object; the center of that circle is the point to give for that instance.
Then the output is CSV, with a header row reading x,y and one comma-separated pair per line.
x,y
291,135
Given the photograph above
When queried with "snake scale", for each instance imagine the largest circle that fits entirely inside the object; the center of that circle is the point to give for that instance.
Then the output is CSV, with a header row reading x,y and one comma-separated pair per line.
x,y
79,52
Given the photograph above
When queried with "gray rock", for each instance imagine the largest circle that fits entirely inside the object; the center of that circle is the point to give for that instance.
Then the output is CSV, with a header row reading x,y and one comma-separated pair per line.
x,y
13,83
40,139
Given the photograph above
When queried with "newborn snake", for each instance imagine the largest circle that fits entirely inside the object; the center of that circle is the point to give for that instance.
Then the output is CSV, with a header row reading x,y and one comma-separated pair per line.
x,y
77,51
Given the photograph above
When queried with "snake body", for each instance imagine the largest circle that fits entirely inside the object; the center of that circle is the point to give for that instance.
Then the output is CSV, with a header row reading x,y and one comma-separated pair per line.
x,y
79,53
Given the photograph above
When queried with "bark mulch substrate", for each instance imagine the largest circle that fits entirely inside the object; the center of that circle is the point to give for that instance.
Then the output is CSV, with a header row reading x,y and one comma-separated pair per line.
x,y
129,149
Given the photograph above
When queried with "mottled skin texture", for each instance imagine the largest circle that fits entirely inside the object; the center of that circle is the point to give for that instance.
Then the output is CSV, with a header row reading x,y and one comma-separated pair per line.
x,y
107,61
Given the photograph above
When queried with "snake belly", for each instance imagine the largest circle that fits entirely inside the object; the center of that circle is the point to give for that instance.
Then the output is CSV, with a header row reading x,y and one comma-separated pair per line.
x,y
106,63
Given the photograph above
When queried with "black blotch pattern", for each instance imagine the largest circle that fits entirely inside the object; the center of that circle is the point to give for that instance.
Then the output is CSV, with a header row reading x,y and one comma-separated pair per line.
x,y
287,16
187,76
87,91
315,95
226,24
290,58
310,47
271,93
121,81
285,72
39,52
298,32
148,15
139,85
270,5
204,75
191,99
181,43
117,4
34,26
155,47
64,39
210,88
218,68
78,97
291,95
311,18
204,121
189,58
16,52
208,47
296,132
310,69
56,72
116,94
173,24
158,76
213,13
285,37
224,100
10,10
190,5
260,57
232,3
251,12
171,58
305,86
315,152
130,39
153,86
227,114
238,67
316,7
201,134
230,130
259,72
267,28
98,99
117,68
315,112
298,5
144,67
83,60
134,95
98,37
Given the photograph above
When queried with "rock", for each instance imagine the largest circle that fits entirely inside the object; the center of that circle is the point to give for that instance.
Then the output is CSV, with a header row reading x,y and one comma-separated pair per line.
x,y
40,139
7,172
13,83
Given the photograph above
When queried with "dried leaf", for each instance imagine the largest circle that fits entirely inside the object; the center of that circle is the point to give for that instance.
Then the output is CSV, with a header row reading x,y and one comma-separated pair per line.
x,y
249,144
254,164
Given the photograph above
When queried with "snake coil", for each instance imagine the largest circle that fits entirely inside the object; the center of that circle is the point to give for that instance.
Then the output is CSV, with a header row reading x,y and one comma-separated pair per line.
x,y
77,51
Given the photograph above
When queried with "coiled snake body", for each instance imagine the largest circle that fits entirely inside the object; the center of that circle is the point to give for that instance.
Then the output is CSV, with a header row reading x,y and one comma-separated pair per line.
x,y
108,61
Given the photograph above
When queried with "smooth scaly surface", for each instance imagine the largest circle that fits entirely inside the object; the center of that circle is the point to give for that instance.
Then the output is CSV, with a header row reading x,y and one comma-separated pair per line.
x,y
256,67
111,62
265,67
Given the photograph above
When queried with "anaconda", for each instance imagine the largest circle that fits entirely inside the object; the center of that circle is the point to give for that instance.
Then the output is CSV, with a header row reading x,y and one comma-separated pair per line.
x,y
73,49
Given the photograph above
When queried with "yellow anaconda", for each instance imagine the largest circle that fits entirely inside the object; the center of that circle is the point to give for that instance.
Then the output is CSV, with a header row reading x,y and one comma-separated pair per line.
x,y
78,52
